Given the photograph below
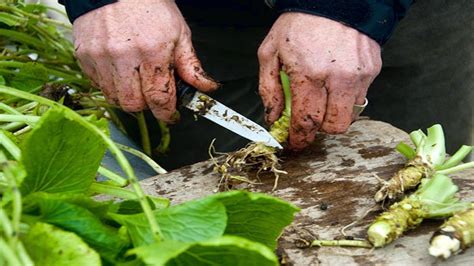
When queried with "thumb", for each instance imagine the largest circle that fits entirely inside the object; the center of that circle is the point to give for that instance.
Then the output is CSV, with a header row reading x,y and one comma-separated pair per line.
x,y
189,67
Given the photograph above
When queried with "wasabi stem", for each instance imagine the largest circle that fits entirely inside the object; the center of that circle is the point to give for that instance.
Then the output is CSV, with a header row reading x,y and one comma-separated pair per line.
x,y
342,243
454,236
165,141
427,159
145,136
258,155
434,199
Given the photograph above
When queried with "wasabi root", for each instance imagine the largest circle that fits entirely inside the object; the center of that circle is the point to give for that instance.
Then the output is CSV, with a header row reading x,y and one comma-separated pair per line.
x,y
434,199
454,236
257,155
428,159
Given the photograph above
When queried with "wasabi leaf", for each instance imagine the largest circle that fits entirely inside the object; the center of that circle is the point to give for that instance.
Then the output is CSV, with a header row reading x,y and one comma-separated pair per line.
x,y
60,155
256,216
226,250
103,238
49,245
192,221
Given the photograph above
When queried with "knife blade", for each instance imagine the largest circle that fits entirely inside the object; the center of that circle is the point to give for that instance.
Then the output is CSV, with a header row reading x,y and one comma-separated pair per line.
x,y
222,115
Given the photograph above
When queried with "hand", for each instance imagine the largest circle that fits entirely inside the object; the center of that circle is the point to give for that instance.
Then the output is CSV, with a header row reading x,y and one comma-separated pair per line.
x,y
131,50
330,66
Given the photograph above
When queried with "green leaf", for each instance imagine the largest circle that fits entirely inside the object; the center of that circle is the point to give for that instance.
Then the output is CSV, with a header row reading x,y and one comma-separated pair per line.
x,y
60,155
48,245
2,80
105,239
99,208
192,221
227,250
255,216
30,76
134,207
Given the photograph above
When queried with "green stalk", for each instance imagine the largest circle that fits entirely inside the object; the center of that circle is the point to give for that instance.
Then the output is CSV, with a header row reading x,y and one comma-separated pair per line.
x,y
114,150
53,72
9,109
22,38
13,173
342,243
145,136
406,150
8,254
5,224
10,146
416,137
280,129
165,138
23,255
158,169
16,10
13,126
456,158
112,176
457,168
434,199
27,119
112,191
26,107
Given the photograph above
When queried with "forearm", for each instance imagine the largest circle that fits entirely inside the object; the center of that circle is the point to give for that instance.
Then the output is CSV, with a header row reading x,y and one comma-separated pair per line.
x,y
377,19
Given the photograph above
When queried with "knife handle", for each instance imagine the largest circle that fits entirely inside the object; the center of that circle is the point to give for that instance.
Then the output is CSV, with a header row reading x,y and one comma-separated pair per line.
x,y
184,92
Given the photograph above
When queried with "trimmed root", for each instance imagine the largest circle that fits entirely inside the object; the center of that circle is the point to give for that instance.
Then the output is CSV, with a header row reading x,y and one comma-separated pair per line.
x,y
391,224
455,235
406,179
258,156
255,156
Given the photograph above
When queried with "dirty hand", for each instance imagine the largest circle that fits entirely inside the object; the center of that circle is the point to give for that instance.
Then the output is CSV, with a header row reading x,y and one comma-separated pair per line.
x,y
330,66
131,51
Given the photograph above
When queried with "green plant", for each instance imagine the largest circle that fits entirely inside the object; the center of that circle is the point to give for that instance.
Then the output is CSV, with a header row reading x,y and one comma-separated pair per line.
x,y
428,159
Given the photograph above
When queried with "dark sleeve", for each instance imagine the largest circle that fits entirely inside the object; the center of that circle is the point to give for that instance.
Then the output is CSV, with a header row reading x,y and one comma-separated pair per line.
x,y
76,8
375,18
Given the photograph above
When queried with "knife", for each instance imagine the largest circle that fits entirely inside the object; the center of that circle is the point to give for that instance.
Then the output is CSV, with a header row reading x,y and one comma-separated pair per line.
x,y
222,115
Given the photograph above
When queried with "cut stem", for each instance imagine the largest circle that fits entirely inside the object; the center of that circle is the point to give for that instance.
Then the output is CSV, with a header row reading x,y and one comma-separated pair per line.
x,y
342,243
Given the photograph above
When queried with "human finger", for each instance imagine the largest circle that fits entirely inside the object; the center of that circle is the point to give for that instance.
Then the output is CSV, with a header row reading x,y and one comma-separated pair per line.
x,y
309,98
269,87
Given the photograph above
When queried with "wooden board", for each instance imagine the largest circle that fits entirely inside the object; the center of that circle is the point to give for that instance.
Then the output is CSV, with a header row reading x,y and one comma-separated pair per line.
x,y
337,172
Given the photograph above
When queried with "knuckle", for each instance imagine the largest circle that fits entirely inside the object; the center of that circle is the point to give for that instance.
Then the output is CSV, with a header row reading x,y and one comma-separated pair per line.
x,y
264,53
339,127
115,49
350,74
94,52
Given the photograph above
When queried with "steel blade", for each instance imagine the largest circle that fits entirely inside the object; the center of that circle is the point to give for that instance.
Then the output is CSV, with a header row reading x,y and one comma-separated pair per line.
x,y
230,119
